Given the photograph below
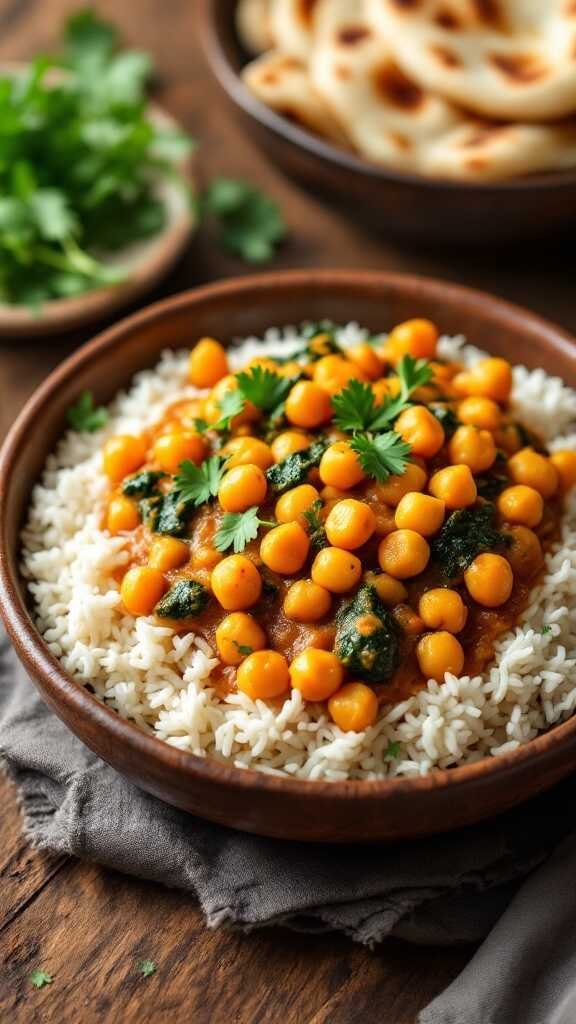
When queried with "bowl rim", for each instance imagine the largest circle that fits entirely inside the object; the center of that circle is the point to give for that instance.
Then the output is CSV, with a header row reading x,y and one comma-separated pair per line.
x,y
233,85
42,665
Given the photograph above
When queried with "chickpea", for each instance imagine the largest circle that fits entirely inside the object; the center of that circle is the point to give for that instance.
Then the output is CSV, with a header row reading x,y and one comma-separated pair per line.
x,y
339,466
243,451
472,447
439,653
141,589
123,454
441,608
291,505
403,553
420,512
291,369
172,449
535,470
564,463
525,552
336,570
285,548
332,373
263,675
354,707
305,601
455,486
389,590
236,583
421,430
415,338
350,524
241,488
480,412
412,479
207,364
385,521
206,557
168,553
237,631
317,674
489,580
265,363
387,387
367,360
409,622
490,378
122,515
332,494
508,438
288,443
308,405
521,504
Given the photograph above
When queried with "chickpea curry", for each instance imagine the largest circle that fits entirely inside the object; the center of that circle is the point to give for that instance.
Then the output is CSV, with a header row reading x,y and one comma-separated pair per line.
x,y
346,522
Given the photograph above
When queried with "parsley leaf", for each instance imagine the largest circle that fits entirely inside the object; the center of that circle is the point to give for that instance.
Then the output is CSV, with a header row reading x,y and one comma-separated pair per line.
x,y
238,529
392,750
147,968
84,415
265,389
356,407
231,404
381,456
198,484
251,224
316,530
40,978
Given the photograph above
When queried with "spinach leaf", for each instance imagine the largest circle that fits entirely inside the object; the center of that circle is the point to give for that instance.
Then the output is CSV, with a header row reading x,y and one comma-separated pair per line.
x,y
465,534
294,470
367,637
143,484
185,599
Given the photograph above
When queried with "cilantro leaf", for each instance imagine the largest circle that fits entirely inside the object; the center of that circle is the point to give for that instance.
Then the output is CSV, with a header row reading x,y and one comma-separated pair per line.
x,y
196,485
147,968
316,530
392,750
545,630
381,456
230,405
356,407
265,389
250,223
238,529
40,978
84,415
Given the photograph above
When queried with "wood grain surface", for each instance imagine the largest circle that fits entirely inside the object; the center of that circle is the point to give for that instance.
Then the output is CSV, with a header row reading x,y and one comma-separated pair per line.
x,y
87,926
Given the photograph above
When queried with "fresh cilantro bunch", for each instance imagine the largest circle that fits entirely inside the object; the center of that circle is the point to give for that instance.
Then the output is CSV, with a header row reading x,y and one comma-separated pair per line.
x,y
250,223
381,451
80,161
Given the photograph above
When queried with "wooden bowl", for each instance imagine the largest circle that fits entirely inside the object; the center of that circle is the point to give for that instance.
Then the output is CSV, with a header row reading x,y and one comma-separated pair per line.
x,y
144,263
283,807
405,205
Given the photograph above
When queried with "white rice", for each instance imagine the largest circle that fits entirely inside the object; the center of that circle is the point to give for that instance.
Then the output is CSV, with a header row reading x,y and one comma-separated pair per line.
x,y
161,680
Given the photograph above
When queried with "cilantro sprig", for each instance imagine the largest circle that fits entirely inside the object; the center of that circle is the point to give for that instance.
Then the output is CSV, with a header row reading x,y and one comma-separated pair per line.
x,y
147,968
196,485
40,978
85,415
355,406
230,405
238,529
250,223
381,456
264,388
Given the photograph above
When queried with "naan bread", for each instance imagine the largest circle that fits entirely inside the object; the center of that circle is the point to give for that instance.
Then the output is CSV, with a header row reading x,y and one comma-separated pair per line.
x,y
292,25
393,121
509,59
253,25
283,83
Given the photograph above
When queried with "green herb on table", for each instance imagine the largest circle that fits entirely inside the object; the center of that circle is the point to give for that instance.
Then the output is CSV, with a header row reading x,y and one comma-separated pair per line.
x,y
238,529
250,223
382,455
146,968
316,529
80,168
84,414
196,485
40,978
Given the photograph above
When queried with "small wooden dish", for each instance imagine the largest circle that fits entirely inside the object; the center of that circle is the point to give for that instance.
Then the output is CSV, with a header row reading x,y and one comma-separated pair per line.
x,y
405,205
145,263
284,807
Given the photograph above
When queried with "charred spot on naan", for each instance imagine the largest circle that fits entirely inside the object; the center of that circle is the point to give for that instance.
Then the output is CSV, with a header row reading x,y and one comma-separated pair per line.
x,y
306,11
446,19
483,134
350,35
392,85
490,13
520,68
447,57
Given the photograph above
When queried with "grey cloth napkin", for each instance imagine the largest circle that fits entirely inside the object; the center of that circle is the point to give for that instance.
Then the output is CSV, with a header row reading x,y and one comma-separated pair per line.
x,y
444,890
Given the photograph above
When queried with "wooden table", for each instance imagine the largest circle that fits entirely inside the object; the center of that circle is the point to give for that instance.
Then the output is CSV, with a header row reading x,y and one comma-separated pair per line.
x,y
87,926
